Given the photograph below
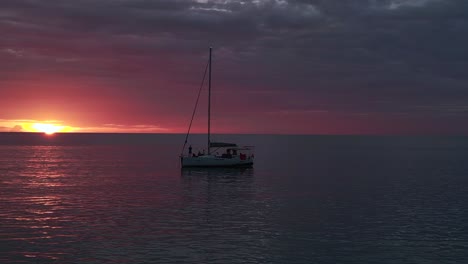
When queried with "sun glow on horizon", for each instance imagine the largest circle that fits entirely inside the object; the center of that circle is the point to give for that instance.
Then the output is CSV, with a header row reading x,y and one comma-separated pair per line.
x,y
51,126
48,129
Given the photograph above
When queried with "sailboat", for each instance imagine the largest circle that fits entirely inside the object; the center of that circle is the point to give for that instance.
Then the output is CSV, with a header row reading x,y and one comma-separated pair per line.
x,y
220,154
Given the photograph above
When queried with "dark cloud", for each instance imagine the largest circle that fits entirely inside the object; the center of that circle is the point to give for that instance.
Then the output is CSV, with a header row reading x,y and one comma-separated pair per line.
x,y
350,58
16,128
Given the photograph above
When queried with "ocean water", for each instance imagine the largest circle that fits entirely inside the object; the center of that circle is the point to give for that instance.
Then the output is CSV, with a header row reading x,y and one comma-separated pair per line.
x,y
119,198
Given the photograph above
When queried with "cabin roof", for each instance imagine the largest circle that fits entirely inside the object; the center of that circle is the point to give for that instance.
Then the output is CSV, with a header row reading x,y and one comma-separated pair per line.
x,y
241,148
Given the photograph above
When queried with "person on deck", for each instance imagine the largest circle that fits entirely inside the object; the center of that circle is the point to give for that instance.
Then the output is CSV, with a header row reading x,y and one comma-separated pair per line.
x,y
190,149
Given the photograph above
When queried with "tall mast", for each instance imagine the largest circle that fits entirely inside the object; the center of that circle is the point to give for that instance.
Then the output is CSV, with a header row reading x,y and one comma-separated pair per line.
x,y
209,105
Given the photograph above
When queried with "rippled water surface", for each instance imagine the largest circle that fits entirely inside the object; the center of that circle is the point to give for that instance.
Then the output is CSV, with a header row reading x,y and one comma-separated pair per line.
x,y
308,199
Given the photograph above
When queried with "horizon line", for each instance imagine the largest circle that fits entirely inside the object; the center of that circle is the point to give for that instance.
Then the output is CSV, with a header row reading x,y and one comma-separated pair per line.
x,y
251,134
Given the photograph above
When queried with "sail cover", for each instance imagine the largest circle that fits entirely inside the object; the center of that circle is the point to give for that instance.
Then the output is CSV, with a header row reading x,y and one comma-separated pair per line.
x,y
222,145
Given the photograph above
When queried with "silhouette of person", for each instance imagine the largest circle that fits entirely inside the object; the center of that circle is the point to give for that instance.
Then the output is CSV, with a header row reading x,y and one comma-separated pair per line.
x,y
190,149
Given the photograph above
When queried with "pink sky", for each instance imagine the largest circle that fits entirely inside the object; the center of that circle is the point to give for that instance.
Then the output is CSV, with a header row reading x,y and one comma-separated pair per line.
x,y
279,67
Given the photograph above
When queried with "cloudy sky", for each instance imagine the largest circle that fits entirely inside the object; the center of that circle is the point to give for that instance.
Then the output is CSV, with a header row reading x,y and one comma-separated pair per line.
x,y
279,66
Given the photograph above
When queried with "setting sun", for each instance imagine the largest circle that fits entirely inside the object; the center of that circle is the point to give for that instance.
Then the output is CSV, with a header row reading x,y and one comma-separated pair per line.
x,y
48,129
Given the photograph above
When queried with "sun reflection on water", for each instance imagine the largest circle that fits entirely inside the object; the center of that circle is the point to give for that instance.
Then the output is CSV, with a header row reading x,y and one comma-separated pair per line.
x,y
37,213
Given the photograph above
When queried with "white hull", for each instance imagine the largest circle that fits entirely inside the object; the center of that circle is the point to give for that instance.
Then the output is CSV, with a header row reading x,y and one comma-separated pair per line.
x,y
215,161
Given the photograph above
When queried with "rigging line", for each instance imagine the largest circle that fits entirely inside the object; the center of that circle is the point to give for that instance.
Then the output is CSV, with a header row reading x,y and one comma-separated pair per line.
x,y
195,109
